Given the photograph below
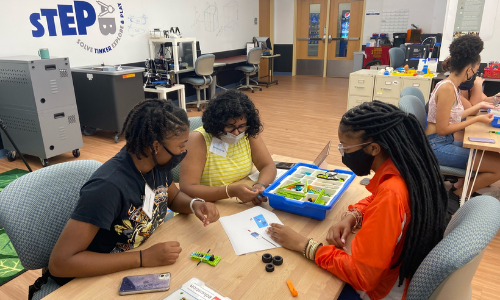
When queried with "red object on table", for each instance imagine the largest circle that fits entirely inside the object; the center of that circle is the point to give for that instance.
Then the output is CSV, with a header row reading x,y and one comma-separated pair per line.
x,y
490,72
377,53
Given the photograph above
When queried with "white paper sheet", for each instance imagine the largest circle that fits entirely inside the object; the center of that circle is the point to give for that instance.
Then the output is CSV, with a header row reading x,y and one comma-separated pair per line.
x,y
246,233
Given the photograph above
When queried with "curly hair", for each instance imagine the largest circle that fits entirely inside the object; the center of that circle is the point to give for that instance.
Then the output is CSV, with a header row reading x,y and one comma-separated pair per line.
x,y
405,142
229,105
464,51
152,120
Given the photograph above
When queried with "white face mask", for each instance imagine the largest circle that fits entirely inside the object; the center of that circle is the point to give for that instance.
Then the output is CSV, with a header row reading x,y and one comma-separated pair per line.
x,y
231,138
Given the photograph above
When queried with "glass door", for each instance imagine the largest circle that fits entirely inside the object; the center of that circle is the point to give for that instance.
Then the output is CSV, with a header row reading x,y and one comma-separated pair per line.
x,y
344,36
311,36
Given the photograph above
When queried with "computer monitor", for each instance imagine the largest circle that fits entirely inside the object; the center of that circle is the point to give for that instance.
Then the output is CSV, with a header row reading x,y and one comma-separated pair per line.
x,y
263,42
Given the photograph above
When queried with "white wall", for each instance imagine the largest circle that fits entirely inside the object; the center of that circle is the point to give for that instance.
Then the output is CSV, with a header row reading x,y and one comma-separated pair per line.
x,y
427,14
219,25
283,21
489,32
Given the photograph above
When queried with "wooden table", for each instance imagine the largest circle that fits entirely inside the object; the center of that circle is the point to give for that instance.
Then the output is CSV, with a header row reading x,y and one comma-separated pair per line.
x,y
270,70
479,130
236,277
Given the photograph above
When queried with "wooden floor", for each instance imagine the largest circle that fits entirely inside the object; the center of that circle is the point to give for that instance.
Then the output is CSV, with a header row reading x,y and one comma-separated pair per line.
x,y
300,115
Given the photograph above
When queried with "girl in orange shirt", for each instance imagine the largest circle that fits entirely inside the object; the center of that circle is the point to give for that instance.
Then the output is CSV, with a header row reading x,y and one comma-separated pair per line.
x,y
399,223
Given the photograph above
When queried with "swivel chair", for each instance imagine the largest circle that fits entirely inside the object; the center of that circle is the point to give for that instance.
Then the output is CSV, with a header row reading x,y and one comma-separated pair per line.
x,y
397,57
253,59
204,67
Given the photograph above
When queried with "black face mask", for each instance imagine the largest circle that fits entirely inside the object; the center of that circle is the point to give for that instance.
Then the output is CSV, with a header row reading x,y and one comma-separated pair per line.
x,y
358,161
468,84
172,163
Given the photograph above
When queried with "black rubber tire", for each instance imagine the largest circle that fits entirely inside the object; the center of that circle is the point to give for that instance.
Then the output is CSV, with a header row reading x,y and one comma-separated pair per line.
x,y
267,258
253,91
199,108
269,268
277,260
11,156
76,153
117,138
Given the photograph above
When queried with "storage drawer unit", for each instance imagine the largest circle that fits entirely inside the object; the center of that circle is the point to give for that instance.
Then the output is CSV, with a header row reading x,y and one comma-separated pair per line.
x,y
360,87
423,84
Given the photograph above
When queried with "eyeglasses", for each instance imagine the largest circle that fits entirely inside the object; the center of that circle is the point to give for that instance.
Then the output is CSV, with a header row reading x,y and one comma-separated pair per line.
x,y
342,148
231,128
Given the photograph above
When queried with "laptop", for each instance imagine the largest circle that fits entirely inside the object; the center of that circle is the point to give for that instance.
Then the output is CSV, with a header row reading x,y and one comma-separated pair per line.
x,y
318,161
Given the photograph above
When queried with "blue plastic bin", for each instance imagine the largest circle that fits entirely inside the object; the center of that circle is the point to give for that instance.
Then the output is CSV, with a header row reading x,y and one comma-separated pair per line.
x,y
304,208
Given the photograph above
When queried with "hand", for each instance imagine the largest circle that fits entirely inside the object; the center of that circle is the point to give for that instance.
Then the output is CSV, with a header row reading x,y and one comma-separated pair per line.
x,y
161,254
479,81
287,237
205,211
243,192
485,105
260,198
485,118
338,233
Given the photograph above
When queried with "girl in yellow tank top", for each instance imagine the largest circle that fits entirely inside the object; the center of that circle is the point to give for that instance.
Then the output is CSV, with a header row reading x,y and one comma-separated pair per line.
x,y
223,151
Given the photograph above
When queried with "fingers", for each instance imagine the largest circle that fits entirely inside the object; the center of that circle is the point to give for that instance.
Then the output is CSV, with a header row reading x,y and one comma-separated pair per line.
x,y
345,234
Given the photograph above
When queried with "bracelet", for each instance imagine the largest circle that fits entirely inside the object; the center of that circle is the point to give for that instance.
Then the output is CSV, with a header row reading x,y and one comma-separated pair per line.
x,y
260,184
192,201
227,193
305,247
316,250
358,216
140,255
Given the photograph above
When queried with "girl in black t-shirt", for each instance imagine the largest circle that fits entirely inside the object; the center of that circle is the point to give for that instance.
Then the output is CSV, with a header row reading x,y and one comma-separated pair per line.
x,y
126,199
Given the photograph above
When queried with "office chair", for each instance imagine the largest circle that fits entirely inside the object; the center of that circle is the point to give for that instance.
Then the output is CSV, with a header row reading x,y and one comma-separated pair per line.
x,y
397,57
35,208
411,90
204,67
414,105
253,58
194,122
447,271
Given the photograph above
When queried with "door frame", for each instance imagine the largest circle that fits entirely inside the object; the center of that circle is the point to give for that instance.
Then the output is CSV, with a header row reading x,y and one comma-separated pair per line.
x,y
325,58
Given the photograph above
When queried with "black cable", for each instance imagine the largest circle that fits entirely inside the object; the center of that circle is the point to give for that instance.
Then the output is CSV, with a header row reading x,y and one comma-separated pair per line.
x,y
4,128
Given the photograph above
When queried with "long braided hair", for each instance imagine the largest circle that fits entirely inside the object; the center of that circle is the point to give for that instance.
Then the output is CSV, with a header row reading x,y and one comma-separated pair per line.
x,y
152,120
403,139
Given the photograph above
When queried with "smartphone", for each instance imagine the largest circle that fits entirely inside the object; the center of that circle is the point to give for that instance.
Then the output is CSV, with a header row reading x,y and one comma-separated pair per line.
x,y
481,140
145,284
283,165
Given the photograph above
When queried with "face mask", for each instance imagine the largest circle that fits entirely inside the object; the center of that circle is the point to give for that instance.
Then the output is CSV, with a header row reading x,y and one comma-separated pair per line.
x,y
468,84
172,163
358,161
231,138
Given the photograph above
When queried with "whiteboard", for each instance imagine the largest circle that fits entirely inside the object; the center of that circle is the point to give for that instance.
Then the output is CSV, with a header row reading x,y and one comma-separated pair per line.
x,y
220,25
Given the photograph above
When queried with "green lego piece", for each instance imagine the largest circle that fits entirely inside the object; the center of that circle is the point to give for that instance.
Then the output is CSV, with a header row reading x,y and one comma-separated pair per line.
x,y
318,199
305,187
205,257
290,185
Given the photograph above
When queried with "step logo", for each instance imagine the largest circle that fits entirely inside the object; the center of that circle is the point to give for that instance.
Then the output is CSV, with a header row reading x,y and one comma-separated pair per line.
x,y
76,19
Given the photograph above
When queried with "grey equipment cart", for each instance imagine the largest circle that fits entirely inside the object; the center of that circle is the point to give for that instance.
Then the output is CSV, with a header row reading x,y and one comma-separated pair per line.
x,y
105,95
38,106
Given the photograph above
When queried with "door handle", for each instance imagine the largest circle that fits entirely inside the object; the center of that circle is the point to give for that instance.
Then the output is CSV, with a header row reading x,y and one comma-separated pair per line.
x,y
387,89
359,86
311,39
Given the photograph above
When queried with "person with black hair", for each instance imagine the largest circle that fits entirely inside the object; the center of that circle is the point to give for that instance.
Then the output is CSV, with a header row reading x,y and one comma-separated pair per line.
x,y
223,150
399,223
470,90
446,112
127,198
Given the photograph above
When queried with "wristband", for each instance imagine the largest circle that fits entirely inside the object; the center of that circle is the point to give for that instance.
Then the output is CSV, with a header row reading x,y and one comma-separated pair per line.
x,y
140,255
192,201
259,184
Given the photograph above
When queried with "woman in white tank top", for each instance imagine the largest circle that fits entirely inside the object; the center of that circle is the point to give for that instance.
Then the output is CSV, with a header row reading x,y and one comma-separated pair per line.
x,y
446,112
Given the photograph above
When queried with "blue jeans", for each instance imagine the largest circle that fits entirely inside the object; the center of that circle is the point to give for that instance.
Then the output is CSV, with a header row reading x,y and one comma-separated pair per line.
x,y
449,152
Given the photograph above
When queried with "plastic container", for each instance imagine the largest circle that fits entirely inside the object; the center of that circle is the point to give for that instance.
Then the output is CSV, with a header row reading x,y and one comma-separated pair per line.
x,y
425,69
307,173
496,117
491,73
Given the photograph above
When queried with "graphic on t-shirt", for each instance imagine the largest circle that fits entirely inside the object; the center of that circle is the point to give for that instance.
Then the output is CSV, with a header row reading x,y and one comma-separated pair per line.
x,y
138,227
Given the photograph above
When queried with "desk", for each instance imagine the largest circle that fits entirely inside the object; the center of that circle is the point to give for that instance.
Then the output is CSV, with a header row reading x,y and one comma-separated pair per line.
x,y
270,70
162,92
236,277
479,130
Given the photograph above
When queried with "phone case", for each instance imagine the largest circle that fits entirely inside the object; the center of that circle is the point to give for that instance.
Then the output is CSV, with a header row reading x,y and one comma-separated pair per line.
x,y
145,283
481,140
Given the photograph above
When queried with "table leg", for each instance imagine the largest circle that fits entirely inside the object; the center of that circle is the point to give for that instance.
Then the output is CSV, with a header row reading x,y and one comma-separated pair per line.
x,y
183,98
468,174
475,176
